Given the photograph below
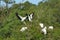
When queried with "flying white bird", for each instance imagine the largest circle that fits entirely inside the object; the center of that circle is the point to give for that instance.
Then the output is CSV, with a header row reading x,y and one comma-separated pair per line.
x,y
41,25
50,27
44,30
23,29
30,17
20,17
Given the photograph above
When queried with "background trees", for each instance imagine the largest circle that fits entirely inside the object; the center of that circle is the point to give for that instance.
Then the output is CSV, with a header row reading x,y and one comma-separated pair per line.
x,y
47,12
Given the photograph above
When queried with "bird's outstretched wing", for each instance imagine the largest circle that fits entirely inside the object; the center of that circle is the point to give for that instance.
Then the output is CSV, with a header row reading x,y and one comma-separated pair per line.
x,y
20,17
30,16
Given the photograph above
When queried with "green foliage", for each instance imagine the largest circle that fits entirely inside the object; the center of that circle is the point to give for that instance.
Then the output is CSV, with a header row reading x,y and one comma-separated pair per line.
x,y
46,12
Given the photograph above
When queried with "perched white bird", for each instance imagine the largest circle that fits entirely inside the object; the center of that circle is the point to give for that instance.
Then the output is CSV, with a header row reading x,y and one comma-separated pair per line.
x,y
30,17
44,30
23,29
50,28
20,17
41,25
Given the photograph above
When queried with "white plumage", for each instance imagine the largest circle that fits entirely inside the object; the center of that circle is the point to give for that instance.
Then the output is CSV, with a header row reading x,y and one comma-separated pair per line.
x,y
44,31
23,29
21,17
30,17
41,25
50,28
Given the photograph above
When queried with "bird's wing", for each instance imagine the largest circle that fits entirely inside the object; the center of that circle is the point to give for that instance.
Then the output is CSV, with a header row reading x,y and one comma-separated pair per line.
x,y
24,17
20,16
31,16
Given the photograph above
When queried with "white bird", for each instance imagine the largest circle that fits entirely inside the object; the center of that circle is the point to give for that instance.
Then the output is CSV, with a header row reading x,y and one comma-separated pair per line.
x,y
30,17
50,28
41,25
20,17
23,29
44,30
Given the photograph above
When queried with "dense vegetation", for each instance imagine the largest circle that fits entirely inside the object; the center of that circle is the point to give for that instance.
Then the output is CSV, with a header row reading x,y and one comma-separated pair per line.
x,y
47,12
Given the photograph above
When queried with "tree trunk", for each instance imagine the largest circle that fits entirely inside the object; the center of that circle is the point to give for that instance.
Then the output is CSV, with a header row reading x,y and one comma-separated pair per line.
x,y
6,8
0,3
